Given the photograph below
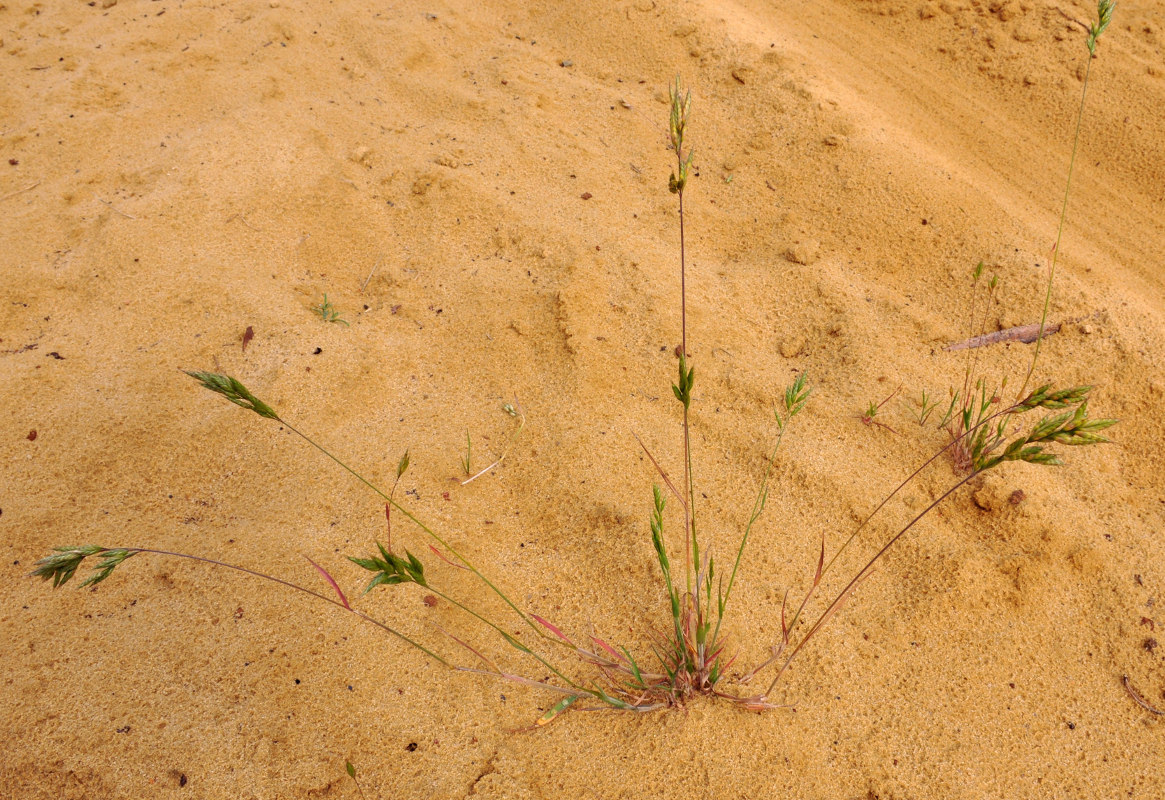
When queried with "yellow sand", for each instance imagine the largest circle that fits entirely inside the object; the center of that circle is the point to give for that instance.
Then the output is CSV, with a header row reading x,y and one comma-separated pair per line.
x,y
480,189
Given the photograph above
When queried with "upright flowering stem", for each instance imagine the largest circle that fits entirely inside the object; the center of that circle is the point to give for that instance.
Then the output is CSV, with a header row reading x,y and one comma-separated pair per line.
x,y
681,105
1104,17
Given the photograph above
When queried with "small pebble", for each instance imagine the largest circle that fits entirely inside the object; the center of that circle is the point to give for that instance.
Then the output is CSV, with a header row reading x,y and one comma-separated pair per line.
x,y
792,347
805,252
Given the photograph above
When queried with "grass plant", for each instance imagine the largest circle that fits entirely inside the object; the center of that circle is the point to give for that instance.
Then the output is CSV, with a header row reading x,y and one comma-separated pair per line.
x,y
515,411
328,313
926,407
972,402
869,417
1104,11
690,656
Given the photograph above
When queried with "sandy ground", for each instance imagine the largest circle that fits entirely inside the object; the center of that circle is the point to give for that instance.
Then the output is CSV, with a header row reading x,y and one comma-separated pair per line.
x,y
480,189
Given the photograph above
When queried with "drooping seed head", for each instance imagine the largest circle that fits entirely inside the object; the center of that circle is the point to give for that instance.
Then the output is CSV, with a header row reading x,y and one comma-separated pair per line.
x,y
234,391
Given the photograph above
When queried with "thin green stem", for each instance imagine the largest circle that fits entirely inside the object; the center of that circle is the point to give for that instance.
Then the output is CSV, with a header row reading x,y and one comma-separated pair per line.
x,y
690,503
858,578
1060,230
689,525
683,284
297,588
510,639
423,527
757,507
968,396
900,487
971,331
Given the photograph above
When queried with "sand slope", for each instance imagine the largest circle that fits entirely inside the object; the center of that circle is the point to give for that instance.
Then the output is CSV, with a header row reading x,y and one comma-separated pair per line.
x,y
480,189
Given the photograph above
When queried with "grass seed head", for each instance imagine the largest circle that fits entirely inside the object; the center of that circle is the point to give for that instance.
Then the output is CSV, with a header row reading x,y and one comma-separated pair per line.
x,y
1104,11
234,391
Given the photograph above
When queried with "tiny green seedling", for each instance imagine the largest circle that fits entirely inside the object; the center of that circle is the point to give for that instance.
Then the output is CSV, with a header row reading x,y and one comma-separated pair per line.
x,y
328,313
401,467
515,411
868,418
925,408
467,459
351,770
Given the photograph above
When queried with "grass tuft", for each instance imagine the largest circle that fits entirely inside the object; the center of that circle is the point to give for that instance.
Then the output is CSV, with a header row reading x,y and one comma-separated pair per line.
x,y
691,656
328,313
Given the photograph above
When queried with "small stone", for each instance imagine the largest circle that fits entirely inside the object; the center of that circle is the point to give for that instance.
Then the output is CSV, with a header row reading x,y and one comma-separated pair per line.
x,y
1023,33
108,3
423,183
833,140
792,347
565,63
804,252
985,499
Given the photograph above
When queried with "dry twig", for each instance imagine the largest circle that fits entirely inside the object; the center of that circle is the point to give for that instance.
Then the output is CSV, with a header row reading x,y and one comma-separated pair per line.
x,y
115,208
1138,699
28,188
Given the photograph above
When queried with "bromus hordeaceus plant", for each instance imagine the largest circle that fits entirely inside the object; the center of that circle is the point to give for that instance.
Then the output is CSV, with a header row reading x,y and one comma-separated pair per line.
x,y
690,657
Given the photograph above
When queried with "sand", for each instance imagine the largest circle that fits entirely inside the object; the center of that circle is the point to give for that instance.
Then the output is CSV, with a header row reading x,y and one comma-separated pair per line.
x,y
480,190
